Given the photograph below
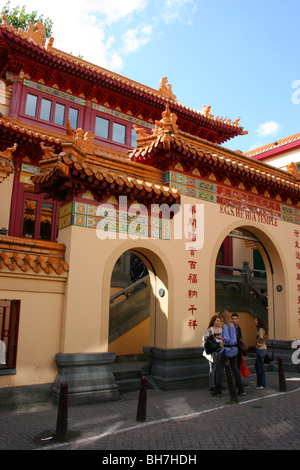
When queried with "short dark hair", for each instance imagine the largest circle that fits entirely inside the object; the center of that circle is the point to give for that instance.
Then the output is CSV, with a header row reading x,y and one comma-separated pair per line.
x,y
234,315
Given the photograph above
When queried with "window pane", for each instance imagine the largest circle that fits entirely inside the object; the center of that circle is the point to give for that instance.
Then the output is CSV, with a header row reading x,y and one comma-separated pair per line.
x,y
9,325
59,117
31,105
46,221
133,138
101,127
45,109
73,116
119,133
29,218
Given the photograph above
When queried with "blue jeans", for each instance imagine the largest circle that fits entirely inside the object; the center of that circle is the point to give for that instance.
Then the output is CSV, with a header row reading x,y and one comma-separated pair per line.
x,y
260,367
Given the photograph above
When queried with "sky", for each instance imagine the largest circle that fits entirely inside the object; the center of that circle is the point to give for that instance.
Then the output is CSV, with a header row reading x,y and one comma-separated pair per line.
x,y
239,57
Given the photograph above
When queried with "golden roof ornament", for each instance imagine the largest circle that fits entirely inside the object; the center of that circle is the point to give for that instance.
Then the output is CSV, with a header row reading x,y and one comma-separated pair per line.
x,y
168,121
6,162
293,170
34,32
206,111
166,89
83,140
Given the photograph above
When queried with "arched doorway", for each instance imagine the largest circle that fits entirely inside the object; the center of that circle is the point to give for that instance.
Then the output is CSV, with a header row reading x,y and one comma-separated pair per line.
x,y
153,329
129,315
256,269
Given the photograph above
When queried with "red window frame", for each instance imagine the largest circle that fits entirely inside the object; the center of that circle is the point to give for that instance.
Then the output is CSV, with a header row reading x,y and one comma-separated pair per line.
x,y
49,124
113,120
19,197
39,199
9,332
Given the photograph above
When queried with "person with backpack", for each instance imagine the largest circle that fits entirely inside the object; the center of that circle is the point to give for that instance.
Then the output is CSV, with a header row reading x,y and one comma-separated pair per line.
x,y
228,353
214,329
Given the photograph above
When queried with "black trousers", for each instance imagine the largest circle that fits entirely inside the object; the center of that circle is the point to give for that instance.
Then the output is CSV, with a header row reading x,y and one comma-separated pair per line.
x,y
220,372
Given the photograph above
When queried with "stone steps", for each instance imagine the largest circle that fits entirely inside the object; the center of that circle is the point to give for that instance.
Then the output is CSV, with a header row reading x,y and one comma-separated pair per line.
x,y
128,373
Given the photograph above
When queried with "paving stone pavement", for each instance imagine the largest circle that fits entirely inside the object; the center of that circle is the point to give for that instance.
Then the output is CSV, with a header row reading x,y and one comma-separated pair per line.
x,y
183,420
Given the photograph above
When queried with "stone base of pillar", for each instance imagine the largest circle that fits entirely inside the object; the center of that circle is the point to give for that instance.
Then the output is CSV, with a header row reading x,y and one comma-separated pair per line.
x,y
89,378
174,369
280,348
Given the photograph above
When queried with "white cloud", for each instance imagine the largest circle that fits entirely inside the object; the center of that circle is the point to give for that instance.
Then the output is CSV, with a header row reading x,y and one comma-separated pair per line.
x,y
134,38
104,31
268,128
114,10
178,10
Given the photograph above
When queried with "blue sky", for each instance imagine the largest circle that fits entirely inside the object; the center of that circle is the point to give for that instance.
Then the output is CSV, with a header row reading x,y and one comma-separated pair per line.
x,y
240,57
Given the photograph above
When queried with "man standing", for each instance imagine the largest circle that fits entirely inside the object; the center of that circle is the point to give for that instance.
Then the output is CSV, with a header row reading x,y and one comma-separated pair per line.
x,y
235,321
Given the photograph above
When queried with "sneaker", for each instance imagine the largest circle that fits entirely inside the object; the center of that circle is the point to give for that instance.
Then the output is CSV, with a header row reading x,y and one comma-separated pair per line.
x,y
259,388
216,394
241,394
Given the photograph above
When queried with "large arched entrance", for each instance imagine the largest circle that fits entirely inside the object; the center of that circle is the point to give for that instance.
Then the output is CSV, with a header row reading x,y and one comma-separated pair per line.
x,y
129,315
148,324
256,269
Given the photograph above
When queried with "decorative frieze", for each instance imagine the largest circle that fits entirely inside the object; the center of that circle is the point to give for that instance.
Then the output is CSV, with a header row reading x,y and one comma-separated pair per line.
x,y
234,201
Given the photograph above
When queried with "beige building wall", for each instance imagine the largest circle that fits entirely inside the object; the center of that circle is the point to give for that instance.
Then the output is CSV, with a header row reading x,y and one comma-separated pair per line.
x,y
39,327
283,160
70,313
5,98
91,260
5,201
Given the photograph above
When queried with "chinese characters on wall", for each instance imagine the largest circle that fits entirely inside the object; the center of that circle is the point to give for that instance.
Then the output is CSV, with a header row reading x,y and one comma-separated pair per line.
x,y
192,277
297,254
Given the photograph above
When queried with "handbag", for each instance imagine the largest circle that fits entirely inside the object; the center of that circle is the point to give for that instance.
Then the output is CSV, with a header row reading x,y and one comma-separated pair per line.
x,y
244,369
211,345
242,345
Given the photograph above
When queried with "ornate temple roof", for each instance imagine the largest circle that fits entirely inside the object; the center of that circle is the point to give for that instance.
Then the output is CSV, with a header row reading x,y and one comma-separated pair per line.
x,y
75,169
20,50
167,146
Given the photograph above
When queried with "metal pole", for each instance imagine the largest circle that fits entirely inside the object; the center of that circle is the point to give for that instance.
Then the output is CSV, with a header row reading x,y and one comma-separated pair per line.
x,y
282,382
142,403
62,415
231,385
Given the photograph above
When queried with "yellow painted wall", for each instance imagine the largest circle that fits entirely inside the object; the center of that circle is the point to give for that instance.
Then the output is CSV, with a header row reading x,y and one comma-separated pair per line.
x,y
92,261
79,321
133,341
39,328
5,98
5,201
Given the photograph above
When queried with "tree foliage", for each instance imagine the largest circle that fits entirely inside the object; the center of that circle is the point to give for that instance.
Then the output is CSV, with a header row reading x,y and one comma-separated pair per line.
x,y
18,17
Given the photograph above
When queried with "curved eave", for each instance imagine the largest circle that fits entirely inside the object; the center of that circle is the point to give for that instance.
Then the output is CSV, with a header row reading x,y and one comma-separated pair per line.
x,y
70,174
158,154
21,135
87,71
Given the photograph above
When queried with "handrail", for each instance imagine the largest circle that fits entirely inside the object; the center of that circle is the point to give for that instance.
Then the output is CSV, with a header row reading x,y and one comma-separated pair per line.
x,y
127,291
245,271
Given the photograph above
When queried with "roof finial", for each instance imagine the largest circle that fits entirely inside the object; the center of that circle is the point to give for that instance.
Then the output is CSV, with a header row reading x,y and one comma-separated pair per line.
x,y
166,89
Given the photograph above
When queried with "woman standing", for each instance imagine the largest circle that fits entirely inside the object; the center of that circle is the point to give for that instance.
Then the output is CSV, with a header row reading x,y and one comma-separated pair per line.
x,y
214,329
228,353
261,352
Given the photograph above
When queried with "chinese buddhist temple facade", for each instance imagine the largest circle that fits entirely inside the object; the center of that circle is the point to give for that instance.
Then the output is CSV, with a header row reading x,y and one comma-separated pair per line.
x,y
98,171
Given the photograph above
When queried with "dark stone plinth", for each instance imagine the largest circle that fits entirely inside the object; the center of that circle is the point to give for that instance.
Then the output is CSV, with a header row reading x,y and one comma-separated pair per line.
x,y
285,350
89,378
173,369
